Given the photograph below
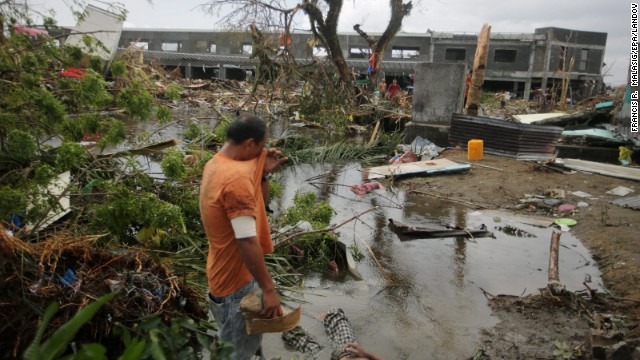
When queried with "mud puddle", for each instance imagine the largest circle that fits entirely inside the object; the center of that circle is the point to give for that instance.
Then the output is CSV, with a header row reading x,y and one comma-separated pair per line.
x,y
428,302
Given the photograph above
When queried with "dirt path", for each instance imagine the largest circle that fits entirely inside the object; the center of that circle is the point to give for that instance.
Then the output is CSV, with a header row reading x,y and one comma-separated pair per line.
x,y
530,327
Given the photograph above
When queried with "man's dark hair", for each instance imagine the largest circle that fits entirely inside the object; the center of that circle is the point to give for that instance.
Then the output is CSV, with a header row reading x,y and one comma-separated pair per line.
x,y
246,126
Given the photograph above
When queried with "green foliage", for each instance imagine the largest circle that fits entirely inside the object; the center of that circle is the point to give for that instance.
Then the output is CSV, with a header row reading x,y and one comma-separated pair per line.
x,y
173,92
305,208
71,155
92,92
136,100
562,350
37,105
173,165
12,201
96,64
118,68
129,208
163,114
355,251
20,146
275,190
44,174
182,338
220,131
58,342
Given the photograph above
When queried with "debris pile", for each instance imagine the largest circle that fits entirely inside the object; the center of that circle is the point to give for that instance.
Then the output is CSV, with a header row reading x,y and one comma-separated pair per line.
x,y
74,272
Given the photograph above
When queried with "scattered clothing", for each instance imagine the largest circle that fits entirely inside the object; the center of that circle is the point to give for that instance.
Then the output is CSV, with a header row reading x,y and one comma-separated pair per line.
x,y
362,189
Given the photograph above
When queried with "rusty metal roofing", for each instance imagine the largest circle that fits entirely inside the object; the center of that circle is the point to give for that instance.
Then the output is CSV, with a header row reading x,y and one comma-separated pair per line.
x,y
630,202
505,138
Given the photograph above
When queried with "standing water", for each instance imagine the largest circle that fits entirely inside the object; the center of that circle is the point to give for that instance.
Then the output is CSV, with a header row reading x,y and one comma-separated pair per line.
x,y
428,301
425,300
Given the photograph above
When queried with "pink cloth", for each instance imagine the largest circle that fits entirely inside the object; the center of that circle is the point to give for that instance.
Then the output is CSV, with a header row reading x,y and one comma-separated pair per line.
x,y
366,188
29,31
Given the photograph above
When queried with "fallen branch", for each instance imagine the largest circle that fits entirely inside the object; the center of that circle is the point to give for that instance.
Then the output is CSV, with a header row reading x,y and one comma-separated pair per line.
x,y
553,282
332,228
383,270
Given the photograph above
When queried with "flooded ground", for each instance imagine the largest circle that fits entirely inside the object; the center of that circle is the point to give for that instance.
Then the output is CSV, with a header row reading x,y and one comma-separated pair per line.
x,y
429,304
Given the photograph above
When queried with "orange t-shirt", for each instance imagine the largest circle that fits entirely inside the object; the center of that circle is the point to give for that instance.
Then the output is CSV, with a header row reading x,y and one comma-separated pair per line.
x,y
229,189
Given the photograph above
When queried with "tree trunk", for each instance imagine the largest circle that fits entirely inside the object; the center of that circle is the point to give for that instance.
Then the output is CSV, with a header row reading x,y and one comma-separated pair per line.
x,y
398,13
479,67
326,30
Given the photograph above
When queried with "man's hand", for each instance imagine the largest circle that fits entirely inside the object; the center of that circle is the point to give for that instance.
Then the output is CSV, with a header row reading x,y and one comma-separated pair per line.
x,y
270,304
273,160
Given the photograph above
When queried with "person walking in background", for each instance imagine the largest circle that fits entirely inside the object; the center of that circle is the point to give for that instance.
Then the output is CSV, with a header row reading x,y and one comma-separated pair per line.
x,y
232,208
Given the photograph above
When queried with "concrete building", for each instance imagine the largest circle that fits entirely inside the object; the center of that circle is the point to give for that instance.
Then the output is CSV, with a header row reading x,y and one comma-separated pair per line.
x,y
517,62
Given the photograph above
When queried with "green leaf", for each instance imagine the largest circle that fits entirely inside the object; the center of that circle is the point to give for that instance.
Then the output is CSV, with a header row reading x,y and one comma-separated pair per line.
x,y
91,352
34,352
58,342
133,350
156,349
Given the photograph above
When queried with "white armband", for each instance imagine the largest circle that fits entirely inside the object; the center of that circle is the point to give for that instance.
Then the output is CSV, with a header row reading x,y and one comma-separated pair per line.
x,y
244,226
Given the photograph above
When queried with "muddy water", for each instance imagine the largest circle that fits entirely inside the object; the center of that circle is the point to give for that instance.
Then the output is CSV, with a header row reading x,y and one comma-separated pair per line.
x,y
428,302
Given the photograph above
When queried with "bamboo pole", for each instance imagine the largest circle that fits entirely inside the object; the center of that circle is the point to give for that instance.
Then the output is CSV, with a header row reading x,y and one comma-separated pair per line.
x,y
553,282
479,67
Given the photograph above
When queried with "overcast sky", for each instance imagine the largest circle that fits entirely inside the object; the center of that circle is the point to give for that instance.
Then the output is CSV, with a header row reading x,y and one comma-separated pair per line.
x,y
515,16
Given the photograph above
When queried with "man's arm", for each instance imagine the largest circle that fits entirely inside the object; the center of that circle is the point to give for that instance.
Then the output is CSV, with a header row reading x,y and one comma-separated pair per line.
x,y
253,258
265,189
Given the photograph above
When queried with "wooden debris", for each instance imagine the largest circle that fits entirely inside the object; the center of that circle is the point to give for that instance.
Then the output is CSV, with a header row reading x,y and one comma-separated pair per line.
x,y
429,233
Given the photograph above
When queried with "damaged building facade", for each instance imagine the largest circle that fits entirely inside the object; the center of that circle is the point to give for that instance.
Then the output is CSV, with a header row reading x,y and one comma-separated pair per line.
x,y
518,63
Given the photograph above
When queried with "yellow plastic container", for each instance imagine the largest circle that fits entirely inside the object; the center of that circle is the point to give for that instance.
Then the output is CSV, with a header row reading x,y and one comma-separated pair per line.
x,y
475,149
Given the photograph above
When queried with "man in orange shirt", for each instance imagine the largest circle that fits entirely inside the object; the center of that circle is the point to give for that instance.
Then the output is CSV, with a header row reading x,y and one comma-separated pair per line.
x,y
232,207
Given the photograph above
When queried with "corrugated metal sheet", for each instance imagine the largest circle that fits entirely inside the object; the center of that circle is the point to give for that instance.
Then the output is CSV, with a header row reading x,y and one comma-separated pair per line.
x,y
505,138
630,202
184,58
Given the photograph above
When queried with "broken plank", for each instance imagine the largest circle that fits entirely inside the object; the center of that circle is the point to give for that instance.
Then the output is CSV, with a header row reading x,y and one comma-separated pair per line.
x,y
415,168
429,233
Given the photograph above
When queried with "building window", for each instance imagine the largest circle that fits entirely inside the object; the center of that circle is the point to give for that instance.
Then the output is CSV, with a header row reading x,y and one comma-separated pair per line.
x,y
359,53
141,45
584,59
212,48
247,49
173,46
398,52
504,56
455,54
320,51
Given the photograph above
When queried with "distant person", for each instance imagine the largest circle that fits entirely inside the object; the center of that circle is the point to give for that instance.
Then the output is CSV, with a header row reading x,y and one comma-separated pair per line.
x,y
343,340
382,88
394,89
